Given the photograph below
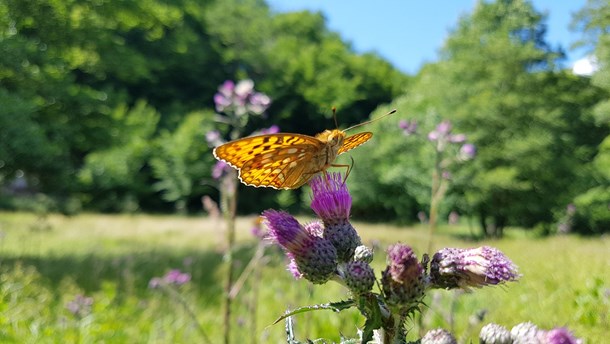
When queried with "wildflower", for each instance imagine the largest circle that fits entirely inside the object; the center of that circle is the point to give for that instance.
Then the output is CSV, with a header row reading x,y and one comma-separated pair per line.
x,y
403,279
359,277
559,335
438,336
80,306
259,102
465,268
525,333
494,334
408,127
173,277
274,129
220,168
213,138
312,256
468,151
332,203
240,98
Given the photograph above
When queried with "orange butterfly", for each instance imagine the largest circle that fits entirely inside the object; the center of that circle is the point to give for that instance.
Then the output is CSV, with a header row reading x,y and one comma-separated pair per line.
x,y
287,161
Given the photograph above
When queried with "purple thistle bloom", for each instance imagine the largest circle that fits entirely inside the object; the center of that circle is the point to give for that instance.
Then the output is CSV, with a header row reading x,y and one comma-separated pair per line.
x,y
444,127
468,151
560,335
314,257
172,277
219,169
403,279
259,102
227,87
274,129
408,127
80,306
465,268
244,88
438,336
332,203
213,138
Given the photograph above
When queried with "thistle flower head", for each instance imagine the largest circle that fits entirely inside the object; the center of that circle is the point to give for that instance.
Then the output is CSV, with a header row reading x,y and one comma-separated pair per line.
x,y
312,256
332,203
438,336
359,277
560,335
526,333
363,254
466,268
403,279
331,200
494,334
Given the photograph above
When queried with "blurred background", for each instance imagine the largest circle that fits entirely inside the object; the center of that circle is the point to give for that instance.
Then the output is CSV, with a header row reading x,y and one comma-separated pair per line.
x,y
105,105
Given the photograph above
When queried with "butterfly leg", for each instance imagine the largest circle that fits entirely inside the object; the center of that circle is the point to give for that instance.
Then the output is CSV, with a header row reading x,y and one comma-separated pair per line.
x,y
348,168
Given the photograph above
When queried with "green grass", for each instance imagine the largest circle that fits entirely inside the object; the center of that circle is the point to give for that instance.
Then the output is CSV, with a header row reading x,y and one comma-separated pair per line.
x,y
45,263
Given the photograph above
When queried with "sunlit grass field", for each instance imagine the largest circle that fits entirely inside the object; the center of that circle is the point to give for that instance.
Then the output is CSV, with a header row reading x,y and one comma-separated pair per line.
x,y
45,262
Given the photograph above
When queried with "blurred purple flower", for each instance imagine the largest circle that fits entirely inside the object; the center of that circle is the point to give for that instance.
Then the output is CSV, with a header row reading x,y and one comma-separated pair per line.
x,y
213,138
219,169
240,98
468,151
444,127
571,209
408,127
80,306
274,129
172,277
465,268
560,335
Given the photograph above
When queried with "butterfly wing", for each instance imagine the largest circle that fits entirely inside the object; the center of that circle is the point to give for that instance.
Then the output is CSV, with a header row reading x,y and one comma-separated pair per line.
x,y
276,160
354,141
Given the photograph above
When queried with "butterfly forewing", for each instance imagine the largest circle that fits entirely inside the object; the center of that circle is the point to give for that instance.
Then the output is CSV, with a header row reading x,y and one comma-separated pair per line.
x,y
354,141
275,160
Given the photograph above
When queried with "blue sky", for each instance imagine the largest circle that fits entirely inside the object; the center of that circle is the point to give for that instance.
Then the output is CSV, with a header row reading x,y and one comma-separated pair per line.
x,y
409,33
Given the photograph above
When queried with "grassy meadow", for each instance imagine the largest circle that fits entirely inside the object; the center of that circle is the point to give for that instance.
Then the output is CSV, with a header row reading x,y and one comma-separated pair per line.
x,y
45,262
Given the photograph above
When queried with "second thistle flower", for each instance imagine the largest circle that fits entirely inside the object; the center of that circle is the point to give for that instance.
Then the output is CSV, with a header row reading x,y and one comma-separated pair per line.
x,y
332,203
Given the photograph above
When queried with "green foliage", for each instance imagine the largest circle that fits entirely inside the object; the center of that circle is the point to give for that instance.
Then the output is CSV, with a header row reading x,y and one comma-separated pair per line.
x,y
532,124
181,161
71,70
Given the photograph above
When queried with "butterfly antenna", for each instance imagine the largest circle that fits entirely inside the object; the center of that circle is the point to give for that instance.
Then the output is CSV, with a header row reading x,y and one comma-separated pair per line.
x,y
370,121
335,117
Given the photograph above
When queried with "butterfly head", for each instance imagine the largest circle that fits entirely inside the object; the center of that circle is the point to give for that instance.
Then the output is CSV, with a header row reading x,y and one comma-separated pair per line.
x,y
333,138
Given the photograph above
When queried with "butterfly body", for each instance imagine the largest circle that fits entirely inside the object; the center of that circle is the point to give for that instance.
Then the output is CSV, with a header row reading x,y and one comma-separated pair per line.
x,y
286,160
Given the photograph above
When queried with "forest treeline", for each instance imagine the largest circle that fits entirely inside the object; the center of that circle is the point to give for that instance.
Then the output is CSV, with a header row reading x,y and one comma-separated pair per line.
x,y
105,106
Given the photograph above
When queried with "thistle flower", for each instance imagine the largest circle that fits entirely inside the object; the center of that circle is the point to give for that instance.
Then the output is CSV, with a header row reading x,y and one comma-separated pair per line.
x,y
438,336
359,277
403,279
408,127
494,334
332,203
467,152
363,254
559,335
465,268
173,277
526,333
219,169
312,256
80,306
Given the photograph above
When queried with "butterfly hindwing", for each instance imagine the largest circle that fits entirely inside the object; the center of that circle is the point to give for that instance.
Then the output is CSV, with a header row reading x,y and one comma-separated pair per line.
x,y
354,141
